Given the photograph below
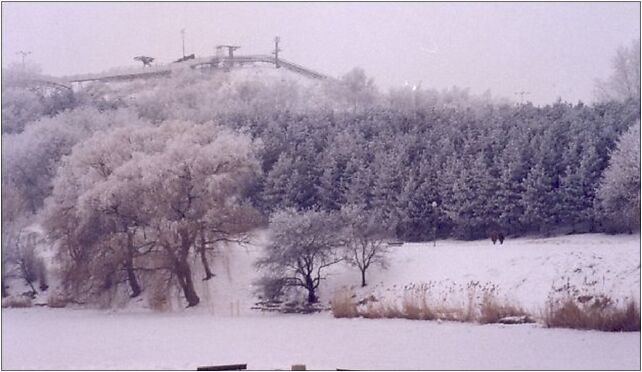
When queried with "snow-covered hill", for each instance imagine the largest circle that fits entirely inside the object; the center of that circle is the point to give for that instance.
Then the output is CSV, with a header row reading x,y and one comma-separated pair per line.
x,y
525,270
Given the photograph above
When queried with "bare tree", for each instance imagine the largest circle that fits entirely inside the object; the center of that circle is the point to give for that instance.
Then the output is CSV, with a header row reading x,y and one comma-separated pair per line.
x,y
303,245
22,261
365,239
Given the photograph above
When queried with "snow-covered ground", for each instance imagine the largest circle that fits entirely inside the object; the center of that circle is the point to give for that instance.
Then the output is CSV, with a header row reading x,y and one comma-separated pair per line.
x,y
525,270
85,339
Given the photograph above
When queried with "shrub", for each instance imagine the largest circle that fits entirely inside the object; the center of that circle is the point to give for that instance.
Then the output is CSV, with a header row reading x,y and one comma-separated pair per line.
x,y
157,292
158,301
271,288
16,301
57,300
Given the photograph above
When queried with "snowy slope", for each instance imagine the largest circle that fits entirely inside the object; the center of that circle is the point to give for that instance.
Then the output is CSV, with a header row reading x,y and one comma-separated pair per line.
x,y
525,270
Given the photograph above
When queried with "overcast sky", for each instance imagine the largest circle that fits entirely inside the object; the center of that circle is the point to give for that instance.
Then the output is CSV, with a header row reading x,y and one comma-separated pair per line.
x,y
549,49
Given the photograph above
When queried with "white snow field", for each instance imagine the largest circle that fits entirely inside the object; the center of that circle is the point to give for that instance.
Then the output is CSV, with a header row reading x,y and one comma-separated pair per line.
x,y
214,333
85,339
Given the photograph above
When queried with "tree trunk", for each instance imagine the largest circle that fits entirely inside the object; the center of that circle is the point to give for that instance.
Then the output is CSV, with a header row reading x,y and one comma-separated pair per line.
x,y
185,280
206,266
312,297
33,289
129,267
309,285
363,278
183,270
5,293
131,278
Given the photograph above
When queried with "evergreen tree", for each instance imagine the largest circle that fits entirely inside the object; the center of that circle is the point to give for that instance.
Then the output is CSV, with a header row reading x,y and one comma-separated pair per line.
x,y
619,191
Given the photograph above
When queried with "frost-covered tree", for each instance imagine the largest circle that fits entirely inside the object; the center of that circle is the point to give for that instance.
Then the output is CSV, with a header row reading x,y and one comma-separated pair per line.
x,y
577,187
388,185
31,158
195,183
354,91
19,107
24,101
303,245
365,239
513,164
538,193
624,82
293,181
360,188
101,217
618,194
93,221
161,194
336,172
470,196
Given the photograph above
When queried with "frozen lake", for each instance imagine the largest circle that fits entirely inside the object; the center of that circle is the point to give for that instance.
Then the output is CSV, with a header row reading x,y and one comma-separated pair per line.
x,y
40,338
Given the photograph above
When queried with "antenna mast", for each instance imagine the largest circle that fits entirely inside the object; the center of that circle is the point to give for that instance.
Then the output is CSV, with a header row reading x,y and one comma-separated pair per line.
x,y
24,55
183,37
276,51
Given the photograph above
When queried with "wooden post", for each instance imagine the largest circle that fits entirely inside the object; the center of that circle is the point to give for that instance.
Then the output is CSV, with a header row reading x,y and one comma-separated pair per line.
x,y
298,367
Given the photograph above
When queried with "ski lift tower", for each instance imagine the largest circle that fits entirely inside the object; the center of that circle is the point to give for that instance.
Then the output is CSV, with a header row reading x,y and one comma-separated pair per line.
x,y
220,50
230,49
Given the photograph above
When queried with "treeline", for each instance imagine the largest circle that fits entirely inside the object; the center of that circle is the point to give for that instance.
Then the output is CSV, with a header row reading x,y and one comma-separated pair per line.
x,y
521,169
136,182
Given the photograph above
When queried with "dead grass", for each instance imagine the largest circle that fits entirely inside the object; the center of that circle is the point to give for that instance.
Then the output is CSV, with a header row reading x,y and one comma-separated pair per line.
x,y
343,305
418,305
600,315
391,311
492,310
378,310
416,308
483,306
